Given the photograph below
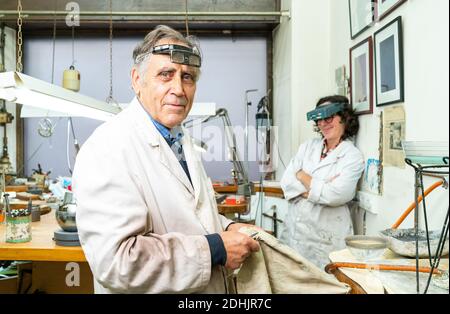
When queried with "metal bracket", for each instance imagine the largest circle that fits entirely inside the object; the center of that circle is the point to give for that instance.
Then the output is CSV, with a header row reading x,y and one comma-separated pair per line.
x,y
286,13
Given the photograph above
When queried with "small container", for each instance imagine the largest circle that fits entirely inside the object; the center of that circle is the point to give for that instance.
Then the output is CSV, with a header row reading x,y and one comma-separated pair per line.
x,y
18,229
35,214
18,223
3,209
2,213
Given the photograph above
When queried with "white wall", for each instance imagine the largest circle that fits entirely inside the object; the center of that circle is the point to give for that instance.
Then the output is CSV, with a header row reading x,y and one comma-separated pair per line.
x,y
300,71
282,85
426,56
426,63
231,66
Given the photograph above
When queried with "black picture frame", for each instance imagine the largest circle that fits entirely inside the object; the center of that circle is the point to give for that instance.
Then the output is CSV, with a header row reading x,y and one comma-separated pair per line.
x,y
361,77
389,73
386,7
361,16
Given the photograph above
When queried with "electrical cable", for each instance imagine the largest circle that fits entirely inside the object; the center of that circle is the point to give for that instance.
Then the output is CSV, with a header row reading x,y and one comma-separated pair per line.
x,y
439,251
279,154
73,46
46,126
186,18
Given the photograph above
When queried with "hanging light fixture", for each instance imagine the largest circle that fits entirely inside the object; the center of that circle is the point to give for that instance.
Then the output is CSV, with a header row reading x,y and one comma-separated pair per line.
x,y
47,99
22,89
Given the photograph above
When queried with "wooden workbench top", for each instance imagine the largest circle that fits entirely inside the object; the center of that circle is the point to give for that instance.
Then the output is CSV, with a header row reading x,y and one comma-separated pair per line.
x,y
269,190
379,282
41,247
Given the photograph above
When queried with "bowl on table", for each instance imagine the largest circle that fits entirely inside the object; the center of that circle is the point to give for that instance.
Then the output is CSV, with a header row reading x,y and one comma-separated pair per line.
x,y
403,242
365,247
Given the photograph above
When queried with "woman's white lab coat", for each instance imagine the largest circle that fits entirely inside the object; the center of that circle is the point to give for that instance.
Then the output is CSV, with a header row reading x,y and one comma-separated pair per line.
x,y
140,221
318,225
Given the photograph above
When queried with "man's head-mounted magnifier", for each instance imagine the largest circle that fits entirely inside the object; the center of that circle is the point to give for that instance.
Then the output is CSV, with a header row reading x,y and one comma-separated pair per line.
x,y
180,54
325,111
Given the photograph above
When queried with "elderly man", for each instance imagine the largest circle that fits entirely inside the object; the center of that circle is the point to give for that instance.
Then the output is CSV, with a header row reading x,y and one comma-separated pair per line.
x,y
146,216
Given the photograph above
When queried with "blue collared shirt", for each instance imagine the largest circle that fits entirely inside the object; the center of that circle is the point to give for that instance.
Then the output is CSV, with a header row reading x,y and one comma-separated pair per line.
x,y
173,138
165,132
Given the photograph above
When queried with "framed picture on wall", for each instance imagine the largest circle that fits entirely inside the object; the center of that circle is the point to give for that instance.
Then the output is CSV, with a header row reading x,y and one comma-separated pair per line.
x,y
362,15
385,7
388,43
361,77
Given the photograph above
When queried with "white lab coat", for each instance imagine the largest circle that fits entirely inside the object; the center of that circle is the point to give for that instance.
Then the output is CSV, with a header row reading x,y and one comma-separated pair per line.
x,y
140,221
318,225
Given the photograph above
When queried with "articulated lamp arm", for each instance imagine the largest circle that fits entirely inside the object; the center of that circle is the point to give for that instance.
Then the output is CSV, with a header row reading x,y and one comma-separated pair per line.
x,y
244,185
238,165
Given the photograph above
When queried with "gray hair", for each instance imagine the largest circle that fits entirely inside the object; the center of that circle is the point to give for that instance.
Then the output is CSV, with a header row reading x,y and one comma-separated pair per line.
x,y
142,51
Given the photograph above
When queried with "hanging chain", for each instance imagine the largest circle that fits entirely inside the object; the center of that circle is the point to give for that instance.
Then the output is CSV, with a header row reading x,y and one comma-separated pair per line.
x,y
54,45
19,66
2,48
110,98
46,126
186,18
2,62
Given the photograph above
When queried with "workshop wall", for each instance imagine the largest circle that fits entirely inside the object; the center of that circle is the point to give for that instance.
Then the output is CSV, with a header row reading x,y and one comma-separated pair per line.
x,y
426,70
301,54
426,77
231,66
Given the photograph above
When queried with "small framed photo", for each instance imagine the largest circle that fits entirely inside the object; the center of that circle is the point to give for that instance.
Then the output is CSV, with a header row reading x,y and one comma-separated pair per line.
x,y
385,7
362,15
389,63
361,77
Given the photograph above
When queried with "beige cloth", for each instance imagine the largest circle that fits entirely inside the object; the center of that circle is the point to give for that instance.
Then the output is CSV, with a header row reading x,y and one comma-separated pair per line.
x,y
140,221
277,268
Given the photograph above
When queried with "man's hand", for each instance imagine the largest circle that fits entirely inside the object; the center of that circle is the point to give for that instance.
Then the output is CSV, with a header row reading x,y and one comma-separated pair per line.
x,y
238,246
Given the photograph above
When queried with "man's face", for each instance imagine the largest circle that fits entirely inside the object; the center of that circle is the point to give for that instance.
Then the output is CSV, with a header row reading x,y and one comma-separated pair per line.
x,y
167,89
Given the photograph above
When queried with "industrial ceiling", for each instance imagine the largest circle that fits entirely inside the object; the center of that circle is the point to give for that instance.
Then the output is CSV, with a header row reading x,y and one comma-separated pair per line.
x,y
203,15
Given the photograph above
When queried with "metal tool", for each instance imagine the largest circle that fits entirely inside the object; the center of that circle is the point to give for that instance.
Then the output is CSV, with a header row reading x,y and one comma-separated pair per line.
x,y
180,54
274,219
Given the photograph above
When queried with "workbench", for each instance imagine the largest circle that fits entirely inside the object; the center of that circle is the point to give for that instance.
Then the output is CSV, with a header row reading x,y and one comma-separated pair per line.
x,y
272,191
225,209
364,281
41,247
51,264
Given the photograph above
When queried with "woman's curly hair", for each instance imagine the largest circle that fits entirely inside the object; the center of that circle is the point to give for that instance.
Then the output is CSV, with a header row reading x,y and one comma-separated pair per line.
x,y
348,116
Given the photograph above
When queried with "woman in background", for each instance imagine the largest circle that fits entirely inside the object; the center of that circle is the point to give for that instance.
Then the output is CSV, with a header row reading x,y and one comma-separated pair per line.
x,y
319,182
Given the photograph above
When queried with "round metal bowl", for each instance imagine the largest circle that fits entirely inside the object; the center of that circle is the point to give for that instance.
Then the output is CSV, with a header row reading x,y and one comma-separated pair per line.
x,y
366,247
65,216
